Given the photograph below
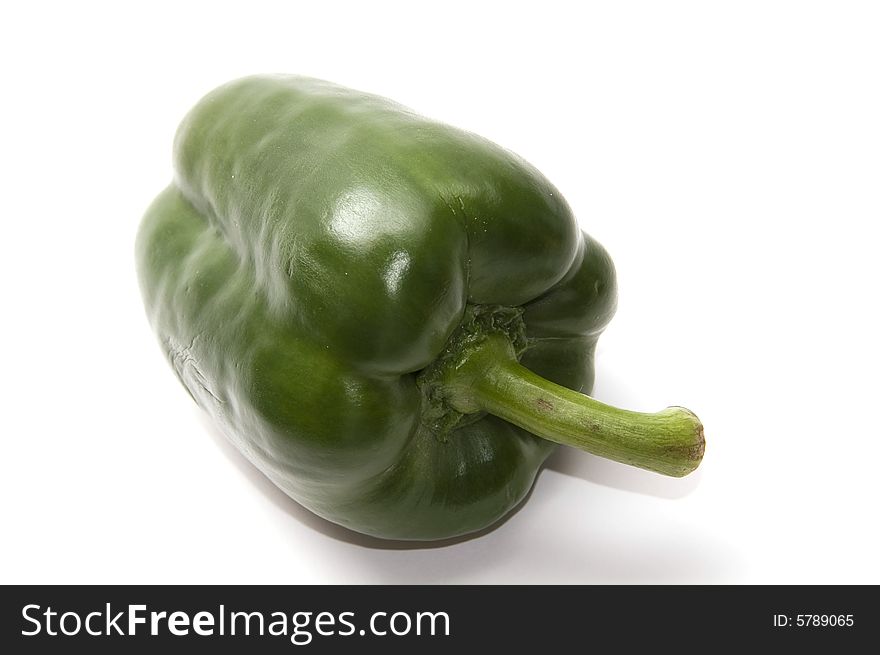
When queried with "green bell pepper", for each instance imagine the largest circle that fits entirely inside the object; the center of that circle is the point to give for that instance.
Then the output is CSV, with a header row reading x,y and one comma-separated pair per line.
x,y
393,319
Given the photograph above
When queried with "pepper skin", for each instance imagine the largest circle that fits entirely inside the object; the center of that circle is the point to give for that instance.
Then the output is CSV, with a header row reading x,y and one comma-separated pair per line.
x,y
377,309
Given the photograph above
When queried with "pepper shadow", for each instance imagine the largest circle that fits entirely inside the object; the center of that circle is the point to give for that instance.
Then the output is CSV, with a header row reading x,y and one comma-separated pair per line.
x,y
597,470
495,553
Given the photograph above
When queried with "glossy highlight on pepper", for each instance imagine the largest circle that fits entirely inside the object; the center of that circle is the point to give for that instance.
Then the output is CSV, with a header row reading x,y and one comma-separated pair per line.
x,y
393,319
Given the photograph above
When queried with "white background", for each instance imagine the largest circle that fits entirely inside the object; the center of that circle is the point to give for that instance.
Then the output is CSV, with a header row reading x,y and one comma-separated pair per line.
x,y
727,155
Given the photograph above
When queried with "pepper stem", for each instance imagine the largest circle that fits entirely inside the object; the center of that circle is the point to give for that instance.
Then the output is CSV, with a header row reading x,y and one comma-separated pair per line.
x,y
491,379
